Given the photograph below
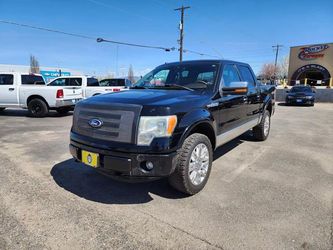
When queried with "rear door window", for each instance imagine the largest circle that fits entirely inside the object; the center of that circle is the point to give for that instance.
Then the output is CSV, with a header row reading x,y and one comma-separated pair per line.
x,y
6,79
32,79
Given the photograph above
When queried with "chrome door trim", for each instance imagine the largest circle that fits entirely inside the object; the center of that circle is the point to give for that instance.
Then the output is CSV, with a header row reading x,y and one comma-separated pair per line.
x,y
235,132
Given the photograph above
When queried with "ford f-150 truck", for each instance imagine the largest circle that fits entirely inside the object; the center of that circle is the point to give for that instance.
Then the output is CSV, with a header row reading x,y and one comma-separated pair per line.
x,y
23,90
171,121
90,85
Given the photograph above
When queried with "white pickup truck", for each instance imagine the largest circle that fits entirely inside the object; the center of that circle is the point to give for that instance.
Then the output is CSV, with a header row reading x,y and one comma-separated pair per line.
x,y
29,91
90,85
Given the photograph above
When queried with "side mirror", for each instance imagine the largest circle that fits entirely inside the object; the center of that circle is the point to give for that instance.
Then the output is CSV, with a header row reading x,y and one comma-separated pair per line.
x,y
235,88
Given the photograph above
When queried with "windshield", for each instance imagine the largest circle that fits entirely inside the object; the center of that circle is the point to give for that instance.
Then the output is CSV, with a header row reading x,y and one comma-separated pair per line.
x,y
301,89
193,76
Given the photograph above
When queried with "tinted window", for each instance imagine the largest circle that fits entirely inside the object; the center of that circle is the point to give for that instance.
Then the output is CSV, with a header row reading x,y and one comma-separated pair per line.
x,y
60,82
230,74
75,81
32,79
92,82
301,89
6,79
246,75
113,82
196,76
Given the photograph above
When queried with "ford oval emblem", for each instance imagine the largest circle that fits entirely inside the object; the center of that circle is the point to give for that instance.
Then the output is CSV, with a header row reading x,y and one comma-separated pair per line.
x,y
95,123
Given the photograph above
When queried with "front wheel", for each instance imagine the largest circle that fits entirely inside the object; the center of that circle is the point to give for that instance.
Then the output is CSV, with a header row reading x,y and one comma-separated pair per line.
x,y
2,109
194,164
261,131
37,108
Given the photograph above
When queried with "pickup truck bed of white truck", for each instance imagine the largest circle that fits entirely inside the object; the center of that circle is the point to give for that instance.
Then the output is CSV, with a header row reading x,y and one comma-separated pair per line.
x,y
23,90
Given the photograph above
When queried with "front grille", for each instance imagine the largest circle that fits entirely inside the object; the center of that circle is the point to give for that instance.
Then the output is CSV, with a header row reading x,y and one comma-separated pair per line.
x,y
119,121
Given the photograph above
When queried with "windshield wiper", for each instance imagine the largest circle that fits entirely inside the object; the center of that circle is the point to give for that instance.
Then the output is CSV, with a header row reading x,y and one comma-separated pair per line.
x,y
178,86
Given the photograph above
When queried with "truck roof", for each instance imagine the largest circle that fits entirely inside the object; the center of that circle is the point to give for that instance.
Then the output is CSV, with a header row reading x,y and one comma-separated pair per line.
x,y
19,73
217,61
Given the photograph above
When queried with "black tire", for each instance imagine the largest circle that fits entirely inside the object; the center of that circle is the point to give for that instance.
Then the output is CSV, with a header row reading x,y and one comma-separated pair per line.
x,y
2,109
38,108
180,178
259,132
63,111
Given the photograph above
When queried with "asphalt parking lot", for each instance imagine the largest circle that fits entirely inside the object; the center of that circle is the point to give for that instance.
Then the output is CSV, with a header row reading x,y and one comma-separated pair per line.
x,y
276,194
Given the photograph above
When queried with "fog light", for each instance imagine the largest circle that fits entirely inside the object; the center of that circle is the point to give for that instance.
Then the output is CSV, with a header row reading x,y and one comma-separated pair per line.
x,y
149,165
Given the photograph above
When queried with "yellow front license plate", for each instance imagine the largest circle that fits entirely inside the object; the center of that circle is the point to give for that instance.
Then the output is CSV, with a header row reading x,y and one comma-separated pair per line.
x,y
90,158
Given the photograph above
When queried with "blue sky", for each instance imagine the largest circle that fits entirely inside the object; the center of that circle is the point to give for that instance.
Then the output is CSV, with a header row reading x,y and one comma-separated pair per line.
x,y
241,30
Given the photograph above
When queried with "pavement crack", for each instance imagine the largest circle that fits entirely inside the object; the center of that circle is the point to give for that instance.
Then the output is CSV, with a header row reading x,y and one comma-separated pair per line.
x,y
183,231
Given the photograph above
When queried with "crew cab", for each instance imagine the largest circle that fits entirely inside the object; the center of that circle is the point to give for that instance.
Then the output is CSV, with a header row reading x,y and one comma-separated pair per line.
x,y
90,85
171,121
24,90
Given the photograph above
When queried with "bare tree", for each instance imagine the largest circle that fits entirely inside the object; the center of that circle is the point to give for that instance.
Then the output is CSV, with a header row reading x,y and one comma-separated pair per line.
x,y
268,71
34,65
283,68
131,74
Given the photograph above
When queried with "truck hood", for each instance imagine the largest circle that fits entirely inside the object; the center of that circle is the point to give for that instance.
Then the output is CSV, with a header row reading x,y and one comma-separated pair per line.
x,y
154,98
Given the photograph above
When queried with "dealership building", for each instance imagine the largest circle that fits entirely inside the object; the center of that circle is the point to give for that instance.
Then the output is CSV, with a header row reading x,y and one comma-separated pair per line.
x,y
311,64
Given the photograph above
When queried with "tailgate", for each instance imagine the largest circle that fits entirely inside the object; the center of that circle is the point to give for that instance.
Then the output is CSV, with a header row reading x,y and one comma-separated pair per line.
x,y
72,92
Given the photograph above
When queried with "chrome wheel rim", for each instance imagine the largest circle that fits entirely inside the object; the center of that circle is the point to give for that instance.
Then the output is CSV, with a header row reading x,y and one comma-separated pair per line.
x,y
198,165
266,125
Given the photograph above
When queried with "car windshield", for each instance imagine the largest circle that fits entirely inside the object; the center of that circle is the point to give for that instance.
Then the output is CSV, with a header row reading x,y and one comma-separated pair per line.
x,y
301,89
181,76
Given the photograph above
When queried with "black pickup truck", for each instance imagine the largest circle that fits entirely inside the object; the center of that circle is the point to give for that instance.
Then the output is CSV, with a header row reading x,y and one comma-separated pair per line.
x,y
171,121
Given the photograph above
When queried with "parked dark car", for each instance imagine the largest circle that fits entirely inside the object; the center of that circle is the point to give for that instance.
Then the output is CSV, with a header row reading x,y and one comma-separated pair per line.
x,y
301,95
171,121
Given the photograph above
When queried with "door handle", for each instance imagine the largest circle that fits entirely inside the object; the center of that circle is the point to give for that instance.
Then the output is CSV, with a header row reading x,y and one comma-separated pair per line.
x,y
11,89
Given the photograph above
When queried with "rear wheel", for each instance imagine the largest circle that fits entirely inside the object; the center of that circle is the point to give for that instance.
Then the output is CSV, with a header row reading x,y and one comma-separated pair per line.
x,y
37,108
261,131
63,111
193,165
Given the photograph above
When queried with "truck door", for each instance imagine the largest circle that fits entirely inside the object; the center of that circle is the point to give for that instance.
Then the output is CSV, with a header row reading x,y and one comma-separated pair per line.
x,y
231,107
8,91
253,94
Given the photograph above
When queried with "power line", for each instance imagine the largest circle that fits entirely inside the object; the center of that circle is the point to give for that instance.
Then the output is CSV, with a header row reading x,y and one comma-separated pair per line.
x,y
181,29
85,37
198,53
46,29
99,40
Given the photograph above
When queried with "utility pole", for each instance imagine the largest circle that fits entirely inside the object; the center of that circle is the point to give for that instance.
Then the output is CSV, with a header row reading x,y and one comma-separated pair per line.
x,y
181,29
277,47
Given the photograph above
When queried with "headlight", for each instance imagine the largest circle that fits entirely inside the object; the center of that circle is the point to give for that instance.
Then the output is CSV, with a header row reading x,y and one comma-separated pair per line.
x,y
151,127
309,97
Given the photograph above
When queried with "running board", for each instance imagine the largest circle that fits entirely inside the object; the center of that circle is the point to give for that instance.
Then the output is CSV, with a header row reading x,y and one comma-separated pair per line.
x,y
235,132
